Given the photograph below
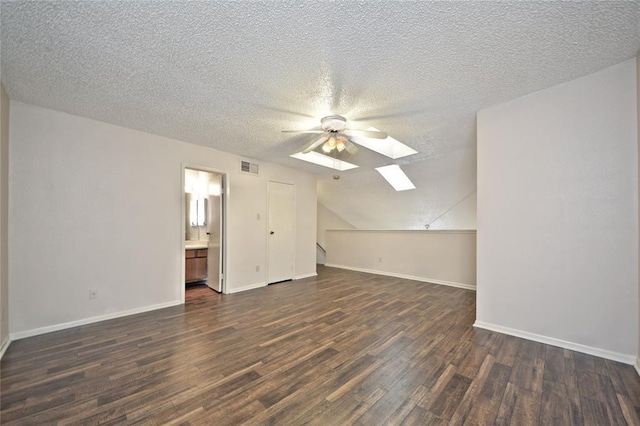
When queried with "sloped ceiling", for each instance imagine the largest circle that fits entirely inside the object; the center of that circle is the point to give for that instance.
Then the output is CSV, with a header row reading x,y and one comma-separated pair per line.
x,y
232,75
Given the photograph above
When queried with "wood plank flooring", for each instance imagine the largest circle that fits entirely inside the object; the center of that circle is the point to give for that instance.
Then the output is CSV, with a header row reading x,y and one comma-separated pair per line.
x,y
339,349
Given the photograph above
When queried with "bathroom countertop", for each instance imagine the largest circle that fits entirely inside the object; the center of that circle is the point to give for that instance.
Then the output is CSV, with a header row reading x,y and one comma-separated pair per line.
x,y
194,246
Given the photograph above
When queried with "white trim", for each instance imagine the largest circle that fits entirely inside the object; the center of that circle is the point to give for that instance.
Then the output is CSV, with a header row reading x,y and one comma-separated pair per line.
x,y
408,277
637,365
4,347
63,326
602,353
246,287
309,275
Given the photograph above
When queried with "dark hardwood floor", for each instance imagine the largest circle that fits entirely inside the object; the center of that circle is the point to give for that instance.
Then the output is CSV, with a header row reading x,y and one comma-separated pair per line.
x,y
342,348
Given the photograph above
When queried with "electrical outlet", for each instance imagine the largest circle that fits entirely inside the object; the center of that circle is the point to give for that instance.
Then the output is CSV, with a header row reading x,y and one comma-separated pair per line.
x,y
93,294
257,268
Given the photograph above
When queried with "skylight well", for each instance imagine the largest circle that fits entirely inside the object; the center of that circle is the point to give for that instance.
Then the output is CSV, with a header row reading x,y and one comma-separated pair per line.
x,y
389,147
323,160
396,177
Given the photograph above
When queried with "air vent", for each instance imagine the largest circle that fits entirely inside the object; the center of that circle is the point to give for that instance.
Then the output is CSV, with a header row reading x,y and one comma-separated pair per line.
x,y
247,167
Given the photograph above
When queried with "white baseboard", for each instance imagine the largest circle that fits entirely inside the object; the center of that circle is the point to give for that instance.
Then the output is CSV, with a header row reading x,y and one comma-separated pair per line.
x,y
246,287
637,365
5,346
312,274
408,277
602,353
57,327
264,284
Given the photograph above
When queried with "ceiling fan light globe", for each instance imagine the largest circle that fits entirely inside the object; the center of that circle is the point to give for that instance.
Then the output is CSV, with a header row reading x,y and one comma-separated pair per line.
x,y
340,146
326,147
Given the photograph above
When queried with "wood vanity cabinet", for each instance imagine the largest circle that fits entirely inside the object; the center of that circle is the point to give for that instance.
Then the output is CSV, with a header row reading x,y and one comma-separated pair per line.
x,y
195,266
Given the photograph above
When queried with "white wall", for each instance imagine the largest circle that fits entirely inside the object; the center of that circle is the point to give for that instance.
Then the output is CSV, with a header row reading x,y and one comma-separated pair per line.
x,y
460,216
558,215
4,219
441,257
329,220
444,196
97,206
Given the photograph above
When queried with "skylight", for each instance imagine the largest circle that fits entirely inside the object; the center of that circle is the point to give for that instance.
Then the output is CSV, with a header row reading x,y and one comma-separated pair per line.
x,y
396,177
390,147
323,160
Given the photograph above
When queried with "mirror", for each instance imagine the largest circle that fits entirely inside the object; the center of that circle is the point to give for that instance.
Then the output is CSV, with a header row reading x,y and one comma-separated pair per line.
x,y
195,217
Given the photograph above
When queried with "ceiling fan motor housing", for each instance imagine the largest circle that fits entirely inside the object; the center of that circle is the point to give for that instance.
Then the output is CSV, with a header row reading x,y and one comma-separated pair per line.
x,y
333,123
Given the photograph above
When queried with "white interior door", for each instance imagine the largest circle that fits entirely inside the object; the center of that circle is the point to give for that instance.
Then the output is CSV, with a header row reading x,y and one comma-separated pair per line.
x,y
281,232
214,229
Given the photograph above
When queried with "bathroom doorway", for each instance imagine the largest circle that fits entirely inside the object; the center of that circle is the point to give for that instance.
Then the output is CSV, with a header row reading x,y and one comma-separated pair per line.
x,y
204,228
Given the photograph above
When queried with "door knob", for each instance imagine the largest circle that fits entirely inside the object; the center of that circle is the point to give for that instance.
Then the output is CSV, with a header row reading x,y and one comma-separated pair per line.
x,y
271,232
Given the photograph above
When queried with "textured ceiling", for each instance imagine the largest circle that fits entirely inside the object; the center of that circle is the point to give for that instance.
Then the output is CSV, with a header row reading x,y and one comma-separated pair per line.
x,y
232,75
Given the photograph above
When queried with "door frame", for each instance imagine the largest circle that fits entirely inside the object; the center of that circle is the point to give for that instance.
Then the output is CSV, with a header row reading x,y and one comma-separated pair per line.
x,y
295,228
223,237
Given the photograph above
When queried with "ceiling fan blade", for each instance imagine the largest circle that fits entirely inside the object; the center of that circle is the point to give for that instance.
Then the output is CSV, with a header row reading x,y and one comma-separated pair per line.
x,y
366,134
303,131
316,144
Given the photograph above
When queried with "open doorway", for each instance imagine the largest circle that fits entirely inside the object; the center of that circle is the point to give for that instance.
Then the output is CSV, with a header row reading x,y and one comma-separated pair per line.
x,y
204,229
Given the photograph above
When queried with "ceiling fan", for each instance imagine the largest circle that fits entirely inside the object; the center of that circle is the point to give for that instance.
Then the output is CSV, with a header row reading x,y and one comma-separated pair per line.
x,y
336,135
